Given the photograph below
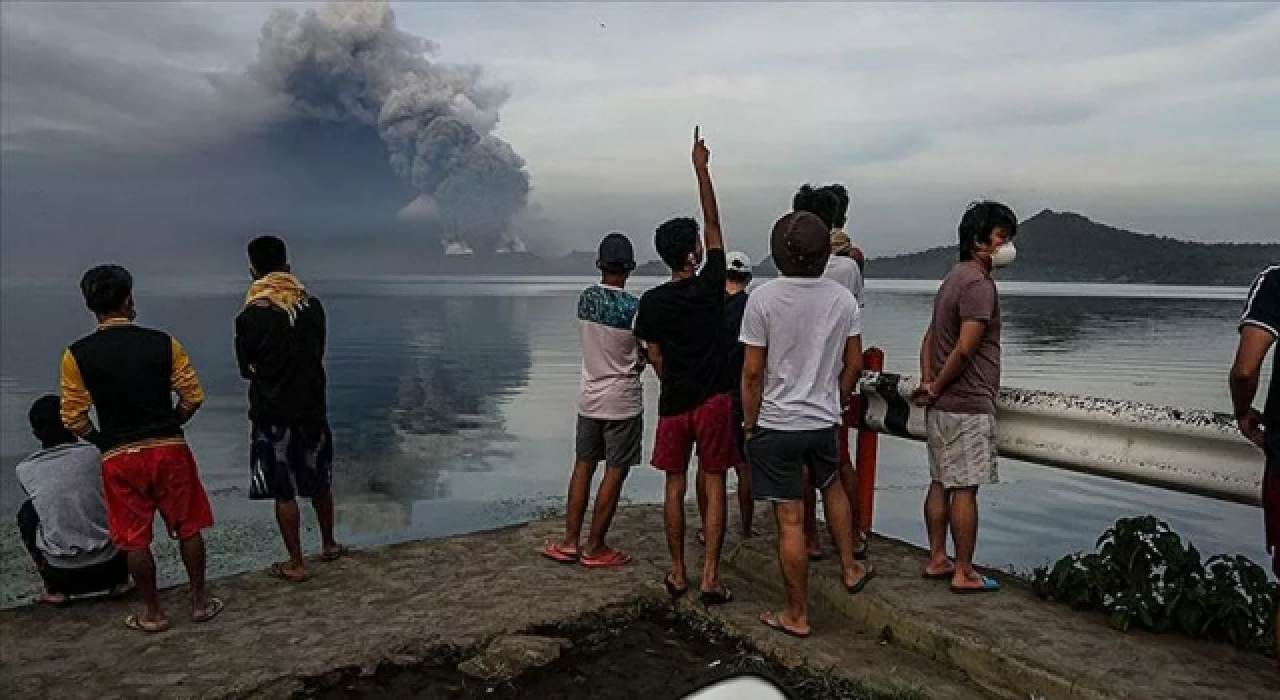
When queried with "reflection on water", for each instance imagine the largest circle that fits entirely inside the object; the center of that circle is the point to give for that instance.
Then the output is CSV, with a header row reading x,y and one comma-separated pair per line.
x,y
452,401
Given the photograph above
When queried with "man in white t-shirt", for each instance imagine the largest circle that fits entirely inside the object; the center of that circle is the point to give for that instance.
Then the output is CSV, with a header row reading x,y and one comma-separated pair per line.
x,y
610,407
803,337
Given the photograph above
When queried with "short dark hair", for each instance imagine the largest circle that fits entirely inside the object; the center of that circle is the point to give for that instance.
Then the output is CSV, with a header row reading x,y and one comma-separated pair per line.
x,y
106,288
820,202
980,220
842,200
738,277
46,422
267,254
675,241
800,245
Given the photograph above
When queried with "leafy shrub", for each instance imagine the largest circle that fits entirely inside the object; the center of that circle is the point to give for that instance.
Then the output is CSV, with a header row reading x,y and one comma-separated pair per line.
x,y
1143,574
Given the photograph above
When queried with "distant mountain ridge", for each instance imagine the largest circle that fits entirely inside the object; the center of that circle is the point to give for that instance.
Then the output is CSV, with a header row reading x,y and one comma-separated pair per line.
x,y
1068,247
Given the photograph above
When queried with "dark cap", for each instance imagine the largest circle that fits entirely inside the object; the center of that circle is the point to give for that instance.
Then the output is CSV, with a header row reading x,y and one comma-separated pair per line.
x,y
616,253
800,244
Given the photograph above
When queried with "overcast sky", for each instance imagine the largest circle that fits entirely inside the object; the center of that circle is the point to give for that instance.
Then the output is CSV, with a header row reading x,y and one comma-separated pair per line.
x,y
1157,117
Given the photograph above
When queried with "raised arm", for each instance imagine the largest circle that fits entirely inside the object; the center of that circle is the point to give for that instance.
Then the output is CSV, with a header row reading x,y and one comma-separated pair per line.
x,y
707,194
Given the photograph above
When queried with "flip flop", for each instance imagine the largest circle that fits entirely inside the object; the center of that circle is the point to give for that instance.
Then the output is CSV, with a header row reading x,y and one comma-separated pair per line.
x,y
817,556
212,609
136,623
672,590
774,622
710,598
609,559
56,600
702,538
277,571
332,555
559,554
856,588
938,576
989,585
860,554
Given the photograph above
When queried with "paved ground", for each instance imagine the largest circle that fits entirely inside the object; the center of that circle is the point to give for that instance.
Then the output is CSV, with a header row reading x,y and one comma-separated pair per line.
x,y
401,602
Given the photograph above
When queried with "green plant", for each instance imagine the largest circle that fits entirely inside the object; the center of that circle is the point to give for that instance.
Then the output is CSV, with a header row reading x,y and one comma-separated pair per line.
x,y
1142,574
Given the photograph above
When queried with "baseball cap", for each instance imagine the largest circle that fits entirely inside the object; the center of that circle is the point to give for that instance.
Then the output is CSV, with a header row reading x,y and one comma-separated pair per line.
x,y
616,252
799,242
738,262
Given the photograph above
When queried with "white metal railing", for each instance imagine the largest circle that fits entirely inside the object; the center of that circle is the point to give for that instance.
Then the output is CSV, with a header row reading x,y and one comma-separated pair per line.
x,y
1193,451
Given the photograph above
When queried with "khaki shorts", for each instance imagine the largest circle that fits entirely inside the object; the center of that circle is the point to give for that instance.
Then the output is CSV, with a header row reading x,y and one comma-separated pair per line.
x,y
962,449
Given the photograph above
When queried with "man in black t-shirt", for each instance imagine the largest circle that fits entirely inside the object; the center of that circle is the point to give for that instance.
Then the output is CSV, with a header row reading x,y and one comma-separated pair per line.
x,y
682,324
280,344
1259,328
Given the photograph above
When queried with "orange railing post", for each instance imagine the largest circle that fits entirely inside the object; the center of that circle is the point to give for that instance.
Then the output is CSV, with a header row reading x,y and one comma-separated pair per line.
x,y
868,447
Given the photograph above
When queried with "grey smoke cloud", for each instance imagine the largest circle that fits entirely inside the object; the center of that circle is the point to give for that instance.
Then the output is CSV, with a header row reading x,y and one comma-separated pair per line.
x,y
350,63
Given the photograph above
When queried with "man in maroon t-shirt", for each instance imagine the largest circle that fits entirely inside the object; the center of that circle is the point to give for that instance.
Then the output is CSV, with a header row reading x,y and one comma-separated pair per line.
x,y
1259,328
960,378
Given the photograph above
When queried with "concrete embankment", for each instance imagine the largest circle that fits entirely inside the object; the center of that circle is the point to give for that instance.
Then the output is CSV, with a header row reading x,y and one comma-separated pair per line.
x,y
402,604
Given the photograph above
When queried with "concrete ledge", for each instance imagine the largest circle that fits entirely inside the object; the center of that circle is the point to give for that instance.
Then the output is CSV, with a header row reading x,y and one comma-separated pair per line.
x,y
1013,644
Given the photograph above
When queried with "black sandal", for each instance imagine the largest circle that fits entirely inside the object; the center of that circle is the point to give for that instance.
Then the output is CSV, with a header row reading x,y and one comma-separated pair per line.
x,y
716,597
672,590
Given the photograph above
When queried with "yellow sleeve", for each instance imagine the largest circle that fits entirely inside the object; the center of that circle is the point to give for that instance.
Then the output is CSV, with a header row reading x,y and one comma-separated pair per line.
x,y
76,401
184,379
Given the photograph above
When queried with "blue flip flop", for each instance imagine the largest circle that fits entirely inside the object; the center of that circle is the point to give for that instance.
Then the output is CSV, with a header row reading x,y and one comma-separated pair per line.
x,y
989,585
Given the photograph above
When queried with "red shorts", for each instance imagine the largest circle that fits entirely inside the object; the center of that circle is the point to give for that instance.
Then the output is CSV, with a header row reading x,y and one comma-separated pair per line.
x,y
710,427
141,479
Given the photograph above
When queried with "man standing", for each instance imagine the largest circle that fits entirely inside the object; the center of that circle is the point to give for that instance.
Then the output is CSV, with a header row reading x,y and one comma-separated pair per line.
x,y
280,344
737,279
130,374
682,324
803,334
610,406
1259,328
64,520
960,379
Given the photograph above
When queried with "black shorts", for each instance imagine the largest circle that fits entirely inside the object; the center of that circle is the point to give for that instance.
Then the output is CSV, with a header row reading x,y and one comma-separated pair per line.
x,y
779,460
288,462
616,442
1271,498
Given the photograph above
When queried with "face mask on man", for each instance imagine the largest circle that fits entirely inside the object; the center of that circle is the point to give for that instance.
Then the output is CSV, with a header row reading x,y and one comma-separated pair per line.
x,y
1004,255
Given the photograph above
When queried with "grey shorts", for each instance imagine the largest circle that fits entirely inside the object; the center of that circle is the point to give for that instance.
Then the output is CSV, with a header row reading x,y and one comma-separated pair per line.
x,y
780,459
616,442
962,449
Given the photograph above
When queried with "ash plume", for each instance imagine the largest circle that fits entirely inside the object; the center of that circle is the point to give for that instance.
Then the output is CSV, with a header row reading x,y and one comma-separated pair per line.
x,y
349,66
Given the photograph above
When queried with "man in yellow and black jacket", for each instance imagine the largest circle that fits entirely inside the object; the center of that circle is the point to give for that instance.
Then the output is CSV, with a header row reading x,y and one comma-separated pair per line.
x,y
130,374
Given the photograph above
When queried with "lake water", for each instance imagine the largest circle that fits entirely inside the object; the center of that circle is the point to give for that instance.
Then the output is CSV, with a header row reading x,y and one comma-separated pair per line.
x,y
452,401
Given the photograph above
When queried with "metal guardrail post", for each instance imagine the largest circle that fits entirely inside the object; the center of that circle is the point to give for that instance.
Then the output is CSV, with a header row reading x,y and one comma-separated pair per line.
x,y
1188,450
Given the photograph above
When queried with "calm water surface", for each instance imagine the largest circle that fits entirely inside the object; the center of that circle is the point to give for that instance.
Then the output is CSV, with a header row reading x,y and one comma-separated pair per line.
x,y
452,400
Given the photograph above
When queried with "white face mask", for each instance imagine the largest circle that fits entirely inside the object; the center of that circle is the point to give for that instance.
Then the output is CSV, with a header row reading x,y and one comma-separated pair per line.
x,y
1004,255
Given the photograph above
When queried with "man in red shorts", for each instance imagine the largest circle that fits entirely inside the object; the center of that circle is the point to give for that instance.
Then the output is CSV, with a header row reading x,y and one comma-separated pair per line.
x,y
1259,328
130,374
682,324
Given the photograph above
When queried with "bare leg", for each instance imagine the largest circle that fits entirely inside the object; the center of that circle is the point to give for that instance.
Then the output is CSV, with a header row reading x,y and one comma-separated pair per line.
x,y
142,567
700,492
192,549
289,518
812,545
713,521
579,492
673,516
964,532
794,561
837,509
606,505
746,501
936,514
323,506
849,484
